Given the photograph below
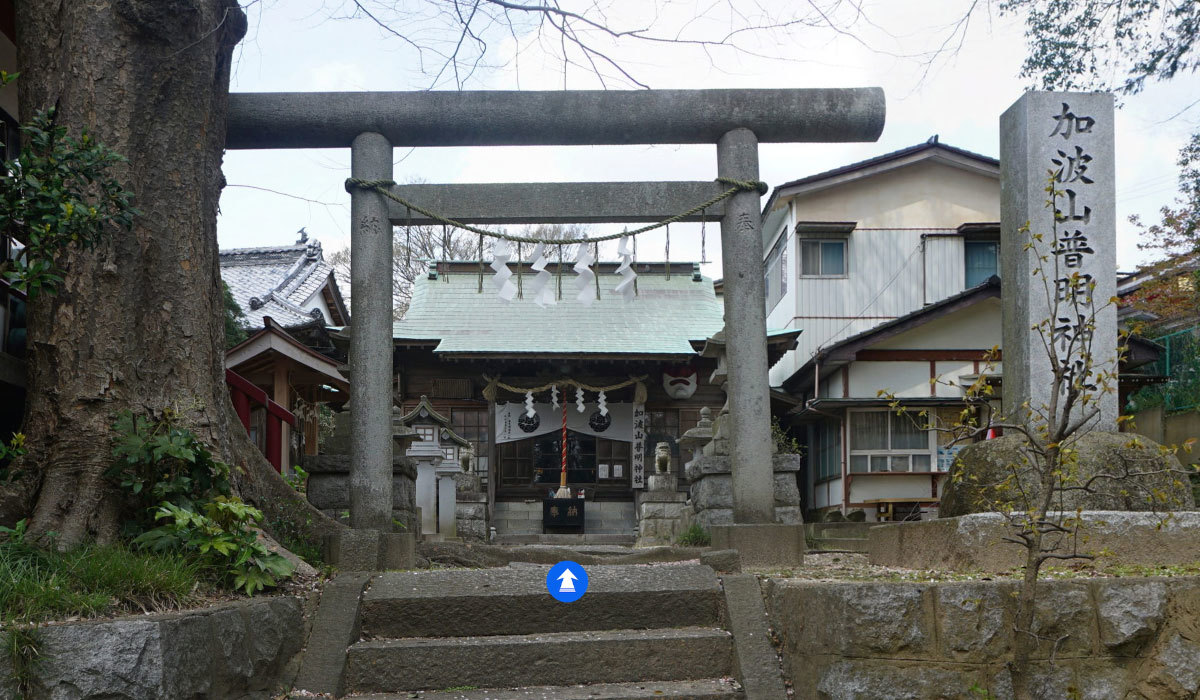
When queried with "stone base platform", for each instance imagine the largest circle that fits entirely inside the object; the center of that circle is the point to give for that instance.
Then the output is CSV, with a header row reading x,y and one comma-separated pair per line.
x,y
767,545
564,539
975,542
712,490
370,550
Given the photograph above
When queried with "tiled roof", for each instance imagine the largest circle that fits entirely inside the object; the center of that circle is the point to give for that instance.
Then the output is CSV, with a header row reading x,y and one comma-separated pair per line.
x,y
278,282
661,320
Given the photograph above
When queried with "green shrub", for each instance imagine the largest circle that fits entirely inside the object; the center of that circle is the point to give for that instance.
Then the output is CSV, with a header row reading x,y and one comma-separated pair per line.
x,y
695,536
183,504
160,462
222,539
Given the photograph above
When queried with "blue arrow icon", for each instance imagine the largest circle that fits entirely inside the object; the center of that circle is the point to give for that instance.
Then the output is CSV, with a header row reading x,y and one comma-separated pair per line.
x,y
566,581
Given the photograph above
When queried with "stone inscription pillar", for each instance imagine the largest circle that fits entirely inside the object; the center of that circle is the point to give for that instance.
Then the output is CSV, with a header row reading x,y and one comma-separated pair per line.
x,y
370,339
746,335
1067,136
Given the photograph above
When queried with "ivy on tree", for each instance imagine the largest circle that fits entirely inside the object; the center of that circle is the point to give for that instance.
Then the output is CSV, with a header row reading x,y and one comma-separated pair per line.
x,y
57,194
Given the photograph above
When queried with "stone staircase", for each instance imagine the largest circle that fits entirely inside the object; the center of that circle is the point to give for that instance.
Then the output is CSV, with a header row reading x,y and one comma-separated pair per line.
x,y
837,537
640,632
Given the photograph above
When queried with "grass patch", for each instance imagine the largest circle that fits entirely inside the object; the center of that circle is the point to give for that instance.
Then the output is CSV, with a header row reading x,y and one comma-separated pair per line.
x,y
38,585
694,536
21,646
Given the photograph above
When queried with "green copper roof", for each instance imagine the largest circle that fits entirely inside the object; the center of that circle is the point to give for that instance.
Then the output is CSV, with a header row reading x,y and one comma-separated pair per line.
x,y
661,320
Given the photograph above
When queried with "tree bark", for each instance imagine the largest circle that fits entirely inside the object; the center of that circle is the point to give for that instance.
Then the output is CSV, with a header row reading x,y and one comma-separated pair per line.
x,y
136,324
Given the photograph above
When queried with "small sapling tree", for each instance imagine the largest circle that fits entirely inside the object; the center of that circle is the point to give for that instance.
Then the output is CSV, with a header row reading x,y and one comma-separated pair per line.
x,y
1046,479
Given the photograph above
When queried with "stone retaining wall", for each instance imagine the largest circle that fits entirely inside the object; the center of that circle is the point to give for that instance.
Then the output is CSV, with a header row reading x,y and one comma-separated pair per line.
x,y
976,542
1119,638
237,650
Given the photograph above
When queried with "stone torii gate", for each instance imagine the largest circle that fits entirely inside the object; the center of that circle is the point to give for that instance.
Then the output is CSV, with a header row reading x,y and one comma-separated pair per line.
x,y
736,121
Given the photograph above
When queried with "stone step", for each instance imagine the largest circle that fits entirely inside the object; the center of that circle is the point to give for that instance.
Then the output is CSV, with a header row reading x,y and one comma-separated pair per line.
x,y
559,658
709,689
845,544
513,600
566,539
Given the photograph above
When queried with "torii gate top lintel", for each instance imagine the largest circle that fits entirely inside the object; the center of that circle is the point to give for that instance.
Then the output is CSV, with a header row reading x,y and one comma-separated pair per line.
x,y
552,118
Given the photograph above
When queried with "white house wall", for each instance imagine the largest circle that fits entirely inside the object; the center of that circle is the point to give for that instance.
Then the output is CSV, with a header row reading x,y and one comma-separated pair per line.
x,y
866,487
827,494
975,328
889,271
945,267
903,379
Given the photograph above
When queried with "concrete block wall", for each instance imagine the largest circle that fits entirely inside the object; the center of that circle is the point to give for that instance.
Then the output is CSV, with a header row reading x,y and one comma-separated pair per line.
x,y
600,518
517,517
610,518
1116,638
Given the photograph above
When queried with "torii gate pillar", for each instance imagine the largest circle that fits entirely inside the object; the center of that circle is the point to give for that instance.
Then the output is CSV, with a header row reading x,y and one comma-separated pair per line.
x,y
371,339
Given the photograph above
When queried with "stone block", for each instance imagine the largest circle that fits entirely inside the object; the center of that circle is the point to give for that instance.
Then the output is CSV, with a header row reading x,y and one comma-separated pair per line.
x,y
722,560
1065,619
661,482
1129,613
976,542
470,511
786,491
853,619
229,651
974,620
187,663
1172,671
1033,131
353,550
121,659
860,679
328,491
397,551
766,545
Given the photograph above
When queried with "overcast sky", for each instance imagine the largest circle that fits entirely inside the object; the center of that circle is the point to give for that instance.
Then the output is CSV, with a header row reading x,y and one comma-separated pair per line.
x,y
303,45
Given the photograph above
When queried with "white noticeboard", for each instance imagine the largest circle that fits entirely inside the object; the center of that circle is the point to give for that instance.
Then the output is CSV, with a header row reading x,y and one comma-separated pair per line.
x,y
601,471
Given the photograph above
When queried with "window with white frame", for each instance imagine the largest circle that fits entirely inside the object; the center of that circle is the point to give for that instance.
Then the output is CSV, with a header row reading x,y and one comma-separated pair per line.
x,y
885,441
775,272
426,432
822,258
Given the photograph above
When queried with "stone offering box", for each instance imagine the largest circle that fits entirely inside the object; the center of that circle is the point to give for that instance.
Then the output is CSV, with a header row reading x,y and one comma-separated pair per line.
x,y
975,542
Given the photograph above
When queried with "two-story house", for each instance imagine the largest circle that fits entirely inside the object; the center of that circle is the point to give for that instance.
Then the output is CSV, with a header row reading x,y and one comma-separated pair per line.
x,y
888,266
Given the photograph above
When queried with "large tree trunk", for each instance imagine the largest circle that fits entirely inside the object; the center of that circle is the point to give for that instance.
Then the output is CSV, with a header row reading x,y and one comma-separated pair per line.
x,y
137,323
